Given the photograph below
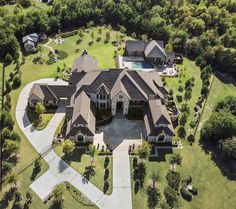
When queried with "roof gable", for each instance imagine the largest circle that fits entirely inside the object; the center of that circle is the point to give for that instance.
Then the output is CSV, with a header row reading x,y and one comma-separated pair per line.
x,y
102,89
153,49
84,63
158,112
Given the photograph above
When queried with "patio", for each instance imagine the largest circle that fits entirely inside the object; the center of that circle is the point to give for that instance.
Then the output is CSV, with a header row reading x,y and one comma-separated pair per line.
x,y
139,63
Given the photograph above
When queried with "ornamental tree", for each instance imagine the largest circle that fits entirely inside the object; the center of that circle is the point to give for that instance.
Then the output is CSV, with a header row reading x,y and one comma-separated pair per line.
x,y
92,151
68,146
143,151
40,109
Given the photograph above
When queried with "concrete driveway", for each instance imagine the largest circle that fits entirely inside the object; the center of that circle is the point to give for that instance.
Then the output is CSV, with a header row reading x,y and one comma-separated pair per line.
x,y
121,133
120,130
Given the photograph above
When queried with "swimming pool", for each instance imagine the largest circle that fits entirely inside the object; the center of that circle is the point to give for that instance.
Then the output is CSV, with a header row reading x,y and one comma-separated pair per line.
x,y
141,65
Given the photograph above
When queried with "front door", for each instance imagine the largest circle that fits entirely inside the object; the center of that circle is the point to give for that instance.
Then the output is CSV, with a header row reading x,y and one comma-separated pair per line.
x,y
119,107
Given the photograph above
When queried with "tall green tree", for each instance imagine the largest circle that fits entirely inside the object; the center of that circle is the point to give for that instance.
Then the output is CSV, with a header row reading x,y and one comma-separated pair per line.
x,y
143,150
92,151
40,109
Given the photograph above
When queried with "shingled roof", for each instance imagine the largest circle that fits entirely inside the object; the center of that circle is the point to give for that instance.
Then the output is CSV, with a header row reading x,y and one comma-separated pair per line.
x,y
156,114
52,92
81,113
33,37
136,85
84,63
153,49
136,45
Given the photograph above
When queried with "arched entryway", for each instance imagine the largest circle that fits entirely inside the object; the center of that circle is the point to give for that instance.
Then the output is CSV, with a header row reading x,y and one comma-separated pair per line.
x,y
119,107
80,138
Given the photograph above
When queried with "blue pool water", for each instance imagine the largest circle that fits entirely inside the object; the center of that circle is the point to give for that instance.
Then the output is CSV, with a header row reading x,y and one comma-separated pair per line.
x,y
141,65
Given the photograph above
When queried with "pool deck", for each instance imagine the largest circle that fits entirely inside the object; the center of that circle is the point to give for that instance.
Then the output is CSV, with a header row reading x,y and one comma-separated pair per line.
x,y
127,62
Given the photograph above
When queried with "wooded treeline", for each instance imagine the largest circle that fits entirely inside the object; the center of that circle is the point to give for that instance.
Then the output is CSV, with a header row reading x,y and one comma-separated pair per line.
x,y
202,29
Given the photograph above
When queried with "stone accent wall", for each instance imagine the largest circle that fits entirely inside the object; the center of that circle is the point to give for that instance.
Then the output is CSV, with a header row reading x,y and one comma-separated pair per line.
x,y
86,138
120,97
155,139
33,99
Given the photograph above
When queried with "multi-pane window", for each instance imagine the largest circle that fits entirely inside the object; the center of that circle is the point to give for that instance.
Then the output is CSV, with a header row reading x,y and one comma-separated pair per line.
x,y
102,105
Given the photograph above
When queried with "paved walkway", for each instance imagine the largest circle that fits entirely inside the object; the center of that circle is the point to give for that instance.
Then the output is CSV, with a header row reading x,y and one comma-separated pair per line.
x,y
59,171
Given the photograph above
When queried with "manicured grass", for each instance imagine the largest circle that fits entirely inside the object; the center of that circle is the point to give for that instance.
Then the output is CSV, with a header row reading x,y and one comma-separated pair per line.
x,y
215,190
81,162
39,124
31,72
70,200
188,70
23,175
103,52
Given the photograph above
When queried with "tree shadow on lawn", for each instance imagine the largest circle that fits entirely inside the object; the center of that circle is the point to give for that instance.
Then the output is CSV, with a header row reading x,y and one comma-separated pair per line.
x,y
75,156
89,172
161,155
227,167
139,174
225,78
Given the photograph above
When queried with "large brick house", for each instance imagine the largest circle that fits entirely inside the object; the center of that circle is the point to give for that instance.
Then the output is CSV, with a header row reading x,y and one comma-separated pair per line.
x,y
116,89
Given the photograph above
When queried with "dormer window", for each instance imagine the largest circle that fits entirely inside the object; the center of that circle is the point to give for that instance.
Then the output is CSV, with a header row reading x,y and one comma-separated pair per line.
x,y
103,96
80,125
161,125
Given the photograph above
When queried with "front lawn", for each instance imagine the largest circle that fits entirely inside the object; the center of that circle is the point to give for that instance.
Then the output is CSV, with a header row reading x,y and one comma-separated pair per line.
x,y
72,197
82,163
32,72
39,124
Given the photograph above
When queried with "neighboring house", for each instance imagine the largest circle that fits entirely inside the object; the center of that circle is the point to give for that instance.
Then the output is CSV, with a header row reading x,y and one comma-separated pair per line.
x,y
30,41
152,51
119,90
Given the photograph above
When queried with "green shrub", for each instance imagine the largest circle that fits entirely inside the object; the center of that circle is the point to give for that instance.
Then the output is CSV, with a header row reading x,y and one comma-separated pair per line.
x,y
16,81
179,98
186,194
8,59
180,88
79,41
62,55
173,179
192,124
187,180
190,138
106,186
68,34
15,136
194,190
6,133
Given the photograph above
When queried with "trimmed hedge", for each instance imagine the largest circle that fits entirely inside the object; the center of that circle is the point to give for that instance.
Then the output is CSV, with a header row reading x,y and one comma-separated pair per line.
x,y
186,194
68,34
50,61
105,152
194,190
62,55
